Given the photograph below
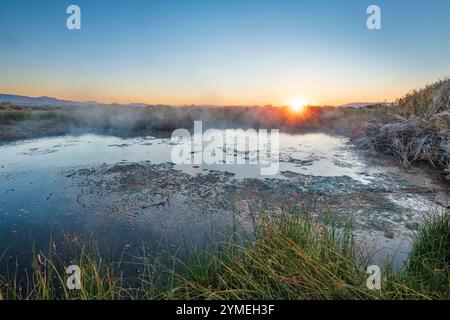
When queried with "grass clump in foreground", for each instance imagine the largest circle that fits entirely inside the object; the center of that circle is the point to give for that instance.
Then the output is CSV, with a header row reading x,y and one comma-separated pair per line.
x,y
288,257
428,267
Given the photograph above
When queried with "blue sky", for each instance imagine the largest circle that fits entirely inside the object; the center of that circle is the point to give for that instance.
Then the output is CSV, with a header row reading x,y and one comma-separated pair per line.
x,y
222,51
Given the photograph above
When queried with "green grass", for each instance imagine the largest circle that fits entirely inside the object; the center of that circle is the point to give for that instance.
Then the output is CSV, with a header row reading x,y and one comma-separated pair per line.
x,y
294,257
290,256
428,268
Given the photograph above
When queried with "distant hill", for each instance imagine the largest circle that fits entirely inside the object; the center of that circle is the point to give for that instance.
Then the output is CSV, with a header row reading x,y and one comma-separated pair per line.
x,y
356,104
54,102
40,101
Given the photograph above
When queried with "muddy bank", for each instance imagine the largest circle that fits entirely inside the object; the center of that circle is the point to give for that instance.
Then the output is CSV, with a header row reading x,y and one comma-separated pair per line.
x,y
385,212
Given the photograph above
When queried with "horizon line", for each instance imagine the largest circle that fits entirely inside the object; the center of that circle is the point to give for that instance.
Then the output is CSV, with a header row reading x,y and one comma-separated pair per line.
x,y
81,101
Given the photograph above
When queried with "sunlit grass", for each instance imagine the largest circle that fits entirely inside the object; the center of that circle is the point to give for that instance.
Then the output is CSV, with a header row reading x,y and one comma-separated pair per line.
x,y
416,130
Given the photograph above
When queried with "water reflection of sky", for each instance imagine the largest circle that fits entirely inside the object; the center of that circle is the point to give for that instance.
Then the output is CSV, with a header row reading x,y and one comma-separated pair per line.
x,y
310,154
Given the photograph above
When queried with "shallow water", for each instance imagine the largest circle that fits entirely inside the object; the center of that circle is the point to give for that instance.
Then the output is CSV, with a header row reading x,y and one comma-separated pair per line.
x,y
311,154
38,197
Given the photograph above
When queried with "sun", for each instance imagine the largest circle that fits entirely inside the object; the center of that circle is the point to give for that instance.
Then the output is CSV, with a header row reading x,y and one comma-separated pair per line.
x,y
298,104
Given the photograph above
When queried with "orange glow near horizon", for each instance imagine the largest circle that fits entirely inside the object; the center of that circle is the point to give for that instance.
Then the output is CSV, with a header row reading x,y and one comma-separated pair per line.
x,y
182,97
282,94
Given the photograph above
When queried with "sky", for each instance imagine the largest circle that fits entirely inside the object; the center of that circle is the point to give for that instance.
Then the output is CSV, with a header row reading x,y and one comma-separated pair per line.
x,y
224,52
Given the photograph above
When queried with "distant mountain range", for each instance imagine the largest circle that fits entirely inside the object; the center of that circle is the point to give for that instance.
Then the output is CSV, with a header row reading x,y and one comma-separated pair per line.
x,y
41,101
52,102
